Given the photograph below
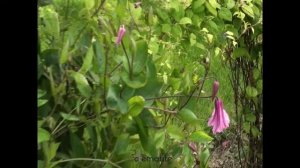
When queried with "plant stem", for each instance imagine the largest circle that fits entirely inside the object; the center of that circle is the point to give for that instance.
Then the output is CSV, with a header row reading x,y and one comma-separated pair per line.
x,y
167,111
127,57
174,96
88,159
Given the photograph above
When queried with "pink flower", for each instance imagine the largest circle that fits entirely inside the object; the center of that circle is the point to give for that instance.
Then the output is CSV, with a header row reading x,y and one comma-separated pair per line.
x,y
215,89
219,119
193,147
121,33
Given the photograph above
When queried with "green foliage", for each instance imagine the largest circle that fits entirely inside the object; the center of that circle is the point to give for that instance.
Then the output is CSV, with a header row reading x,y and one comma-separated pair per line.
x,y
105,101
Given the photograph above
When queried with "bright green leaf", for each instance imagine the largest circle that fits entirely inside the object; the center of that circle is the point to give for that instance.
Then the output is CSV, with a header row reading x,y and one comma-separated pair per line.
x,y
87,62
255,132
64,53
175,132
200,137
43,135
197,4
41,93
82,84
230,4
204,158
246,127
188,116
42,102
211,9
250,117
214,4
251,91
225,14
69,117
185,20
248,10
192,39
136,105
166,28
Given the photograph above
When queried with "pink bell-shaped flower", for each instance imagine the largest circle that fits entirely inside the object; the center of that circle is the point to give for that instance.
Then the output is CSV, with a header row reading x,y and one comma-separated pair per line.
x,y
219,119
215,90
121,34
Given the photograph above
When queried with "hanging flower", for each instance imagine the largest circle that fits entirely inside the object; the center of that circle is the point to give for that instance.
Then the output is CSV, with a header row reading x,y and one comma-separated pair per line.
x,y
121,33
215,90
219,119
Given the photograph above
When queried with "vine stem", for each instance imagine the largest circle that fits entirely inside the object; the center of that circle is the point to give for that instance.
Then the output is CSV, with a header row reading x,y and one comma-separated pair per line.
x,y
127,57
174,96
88,159
164,110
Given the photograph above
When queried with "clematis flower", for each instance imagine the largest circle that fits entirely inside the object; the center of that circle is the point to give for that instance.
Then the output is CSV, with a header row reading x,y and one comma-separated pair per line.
x,y
215,89
121,34
219,119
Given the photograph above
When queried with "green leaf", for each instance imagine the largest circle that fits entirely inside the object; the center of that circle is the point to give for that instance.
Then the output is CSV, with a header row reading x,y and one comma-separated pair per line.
x,y
53,150
255,132
185,20
240,52
230,4
50,20
141,57
82,84
43,135
200,137
250,117
187,116
136,105
89,4
166,28
197,4
251,91
159,139
69,117
246,127
41,93
248,10
256,74
259,86
122,144
42,102
211,9
175,132
214,4
176,31
87,62
204,158
64,53
77,147
192,39
225,14
136,81
114,101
